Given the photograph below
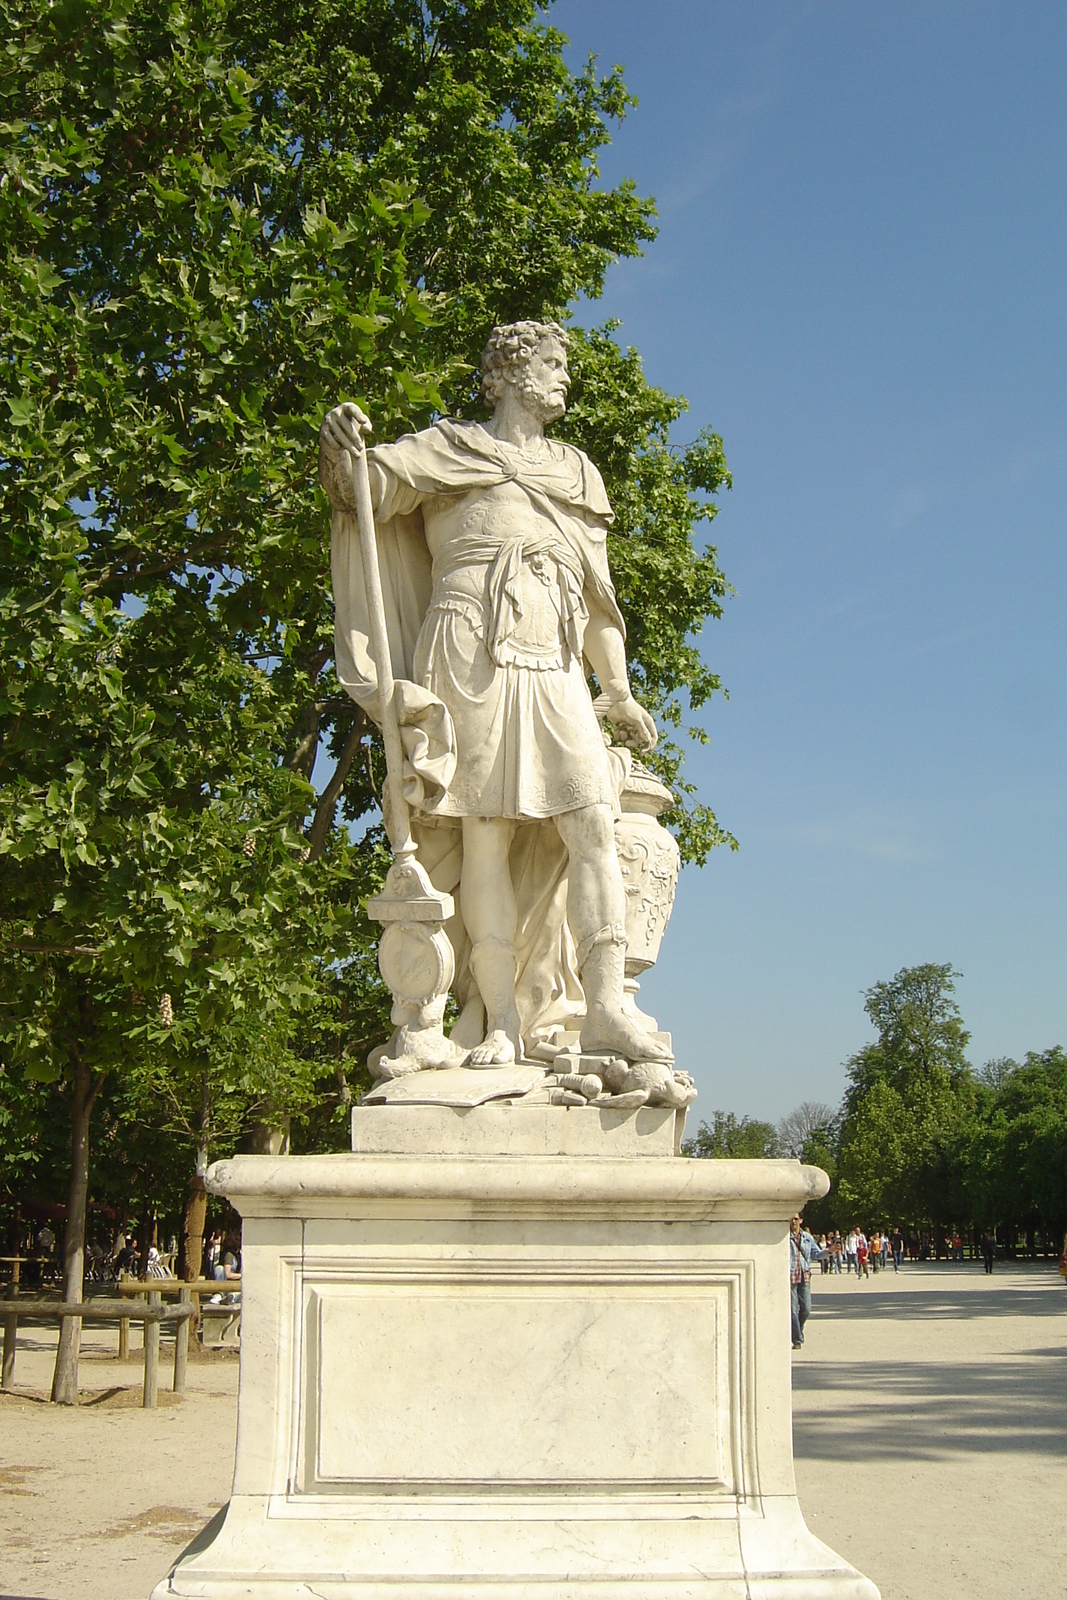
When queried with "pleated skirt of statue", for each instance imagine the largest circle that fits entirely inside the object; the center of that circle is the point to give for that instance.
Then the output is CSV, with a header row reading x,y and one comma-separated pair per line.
x,y
528,741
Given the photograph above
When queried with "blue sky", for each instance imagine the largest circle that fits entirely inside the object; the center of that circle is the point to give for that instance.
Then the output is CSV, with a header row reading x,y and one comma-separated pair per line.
x,y
860,283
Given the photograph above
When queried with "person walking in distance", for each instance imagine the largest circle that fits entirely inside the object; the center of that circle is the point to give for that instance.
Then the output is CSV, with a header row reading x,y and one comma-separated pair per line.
x,y
897,1242
989,1249
803,1249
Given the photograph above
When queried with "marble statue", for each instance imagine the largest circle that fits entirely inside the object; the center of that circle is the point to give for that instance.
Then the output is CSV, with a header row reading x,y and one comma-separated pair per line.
x,y
497,602
518,1348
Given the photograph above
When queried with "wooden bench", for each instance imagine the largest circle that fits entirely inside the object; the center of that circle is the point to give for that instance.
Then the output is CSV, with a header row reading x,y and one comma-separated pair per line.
x,y
150,1314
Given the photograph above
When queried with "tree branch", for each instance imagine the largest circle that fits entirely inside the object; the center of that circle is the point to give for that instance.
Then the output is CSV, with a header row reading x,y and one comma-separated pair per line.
x,y
52,949
324,811
303,757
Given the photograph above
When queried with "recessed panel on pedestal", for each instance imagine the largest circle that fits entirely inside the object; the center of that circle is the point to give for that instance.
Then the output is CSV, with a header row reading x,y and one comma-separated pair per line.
x,y
518,1383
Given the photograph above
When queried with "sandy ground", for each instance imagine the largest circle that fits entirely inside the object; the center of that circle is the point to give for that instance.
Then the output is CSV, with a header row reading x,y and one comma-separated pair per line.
x,y
96,1503
930,1427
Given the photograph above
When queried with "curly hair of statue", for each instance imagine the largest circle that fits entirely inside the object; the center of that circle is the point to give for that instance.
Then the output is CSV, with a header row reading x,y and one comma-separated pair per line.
x,y
509,348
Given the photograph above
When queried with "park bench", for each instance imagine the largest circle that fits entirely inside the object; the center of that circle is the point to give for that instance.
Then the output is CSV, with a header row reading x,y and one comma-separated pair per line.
x,y
219,1325
151,1314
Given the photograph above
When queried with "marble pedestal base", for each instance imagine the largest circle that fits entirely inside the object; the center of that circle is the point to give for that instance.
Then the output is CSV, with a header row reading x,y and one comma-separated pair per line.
x,y
513,1373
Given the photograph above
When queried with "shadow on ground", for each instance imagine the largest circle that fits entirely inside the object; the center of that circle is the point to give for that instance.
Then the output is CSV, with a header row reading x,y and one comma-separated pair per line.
x,y
933,1410
872,1299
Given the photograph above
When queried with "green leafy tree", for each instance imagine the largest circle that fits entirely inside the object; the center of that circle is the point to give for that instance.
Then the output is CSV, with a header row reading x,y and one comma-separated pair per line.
x,y
920,1031
910,1106
874,1160
336,1037
1025,1146
820,1150
218,219
34,1144
730,1136
994,1074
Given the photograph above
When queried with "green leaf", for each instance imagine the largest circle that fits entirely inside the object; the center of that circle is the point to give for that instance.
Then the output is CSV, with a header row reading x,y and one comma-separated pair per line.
x,y
23,410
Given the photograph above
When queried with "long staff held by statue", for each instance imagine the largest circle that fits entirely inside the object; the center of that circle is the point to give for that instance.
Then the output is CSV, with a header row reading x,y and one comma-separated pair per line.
x,y
398,816
415,956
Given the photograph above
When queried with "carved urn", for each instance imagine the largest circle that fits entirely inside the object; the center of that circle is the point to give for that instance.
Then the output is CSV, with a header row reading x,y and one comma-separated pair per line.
x,y
649,858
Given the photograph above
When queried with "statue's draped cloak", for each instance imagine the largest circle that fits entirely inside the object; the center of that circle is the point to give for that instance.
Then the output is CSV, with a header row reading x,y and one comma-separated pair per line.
x,y
454,459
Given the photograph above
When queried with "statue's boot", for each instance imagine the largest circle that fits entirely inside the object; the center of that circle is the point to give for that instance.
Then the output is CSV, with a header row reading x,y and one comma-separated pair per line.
x,y
494,964
607,1029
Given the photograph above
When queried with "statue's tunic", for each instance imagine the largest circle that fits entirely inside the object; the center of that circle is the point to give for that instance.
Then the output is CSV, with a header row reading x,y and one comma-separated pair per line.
x,y
517,544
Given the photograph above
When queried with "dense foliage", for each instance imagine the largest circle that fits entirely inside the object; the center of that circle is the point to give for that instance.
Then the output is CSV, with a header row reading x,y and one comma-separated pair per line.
x,y
729,1136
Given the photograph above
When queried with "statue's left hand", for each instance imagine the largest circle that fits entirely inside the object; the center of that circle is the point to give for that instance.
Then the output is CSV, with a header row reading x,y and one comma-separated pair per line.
x,y
633,724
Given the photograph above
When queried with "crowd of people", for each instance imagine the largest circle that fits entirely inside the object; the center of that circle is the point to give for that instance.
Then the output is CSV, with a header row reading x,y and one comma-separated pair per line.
x,y
106,1261
855,1252
221,1260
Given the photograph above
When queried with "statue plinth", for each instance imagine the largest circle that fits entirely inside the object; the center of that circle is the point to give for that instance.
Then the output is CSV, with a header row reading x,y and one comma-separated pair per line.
x,y
523,1350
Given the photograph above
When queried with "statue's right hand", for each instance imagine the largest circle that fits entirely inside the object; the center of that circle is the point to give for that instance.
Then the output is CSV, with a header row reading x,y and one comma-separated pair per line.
x,y
341,437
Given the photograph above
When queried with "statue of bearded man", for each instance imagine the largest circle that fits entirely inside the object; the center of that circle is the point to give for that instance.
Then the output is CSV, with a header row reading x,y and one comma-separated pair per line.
x,y
492,545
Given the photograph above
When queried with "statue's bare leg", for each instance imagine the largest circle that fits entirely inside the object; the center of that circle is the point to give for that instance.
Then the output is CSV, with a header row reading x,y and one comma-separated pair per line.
x,y
487,900
596,912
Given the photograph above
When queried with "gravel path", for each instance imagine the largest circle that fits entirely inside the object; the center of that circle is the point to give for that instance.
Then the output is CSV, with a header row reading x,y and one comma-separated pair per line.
x,y
95,1503
930,1429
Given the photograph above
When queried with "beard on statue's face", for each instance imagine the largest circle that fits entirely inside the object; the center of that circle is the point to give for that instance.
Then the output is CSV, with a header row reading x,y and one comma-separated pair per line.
x,y
544,382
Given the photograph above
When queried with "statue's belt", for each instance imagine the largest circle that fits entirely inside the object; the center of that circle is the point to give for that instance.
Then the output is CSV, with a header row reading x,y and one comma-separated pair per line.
x,y
503,597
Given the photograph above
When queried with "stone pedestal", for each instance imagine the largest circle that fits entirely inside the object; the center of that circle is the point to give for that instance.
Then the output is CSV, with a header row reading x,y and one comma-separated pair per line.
x,y
514,1372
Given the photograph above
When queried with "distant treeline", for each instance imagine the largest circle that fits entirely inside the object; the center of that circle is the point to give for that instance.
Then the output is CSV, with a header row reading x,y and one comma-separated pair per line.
x,y
921,1138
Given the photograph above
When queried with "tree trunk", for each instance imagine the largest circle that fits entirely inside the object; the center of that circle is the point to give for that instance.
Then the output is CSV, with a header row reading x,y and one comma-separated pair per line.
x,y
65,1377
196,1195
326,809
193,1227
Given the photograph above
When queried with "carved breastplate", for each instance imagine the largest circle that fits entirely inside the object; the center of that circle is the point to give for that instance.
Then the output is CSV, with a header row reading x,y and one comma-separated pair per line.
x,y
498,561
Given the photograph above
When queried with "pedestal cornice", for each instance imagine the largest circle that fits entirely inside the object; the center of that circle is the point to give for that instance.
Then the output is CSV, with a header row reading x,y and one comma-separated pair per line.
x,y
683,1189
